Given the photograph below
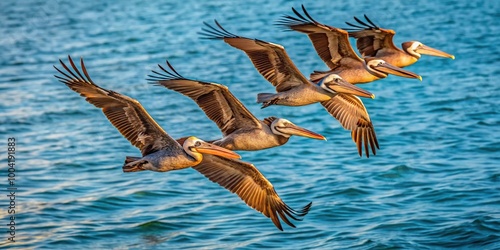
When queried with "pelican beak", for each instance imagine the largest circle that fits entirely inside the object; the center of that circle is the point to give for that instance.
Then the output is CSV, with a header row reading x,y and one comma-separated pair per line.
x,y
292,129
208,148
426,50
342,86
391,69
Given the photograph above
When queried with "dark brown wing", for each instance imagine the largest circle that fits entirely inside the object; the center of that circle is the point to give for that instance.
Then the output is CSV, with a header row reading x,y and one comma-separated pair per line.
x,y
218,103
351,113
125,113
331,44
251,186
271,60
370,38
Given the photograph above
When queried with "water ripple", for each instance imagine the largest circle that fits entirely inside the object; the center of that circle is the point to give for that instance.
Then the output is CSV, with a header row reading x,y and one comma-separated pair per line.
x,y
433,184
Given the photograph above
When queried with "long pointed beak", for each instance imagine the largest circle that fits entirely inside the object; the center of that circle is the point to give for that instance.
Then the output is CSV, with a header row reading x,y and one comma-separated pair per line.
x,y
345,87
293,129
393,70
208,148
426,50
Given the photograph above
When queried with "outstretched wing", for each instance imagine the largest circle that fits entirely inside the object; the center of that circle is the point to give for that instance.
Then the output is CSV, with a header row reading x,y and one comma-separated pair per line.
x,y
271,60
331,44
125,113
370,39
218,103
246,181
351,113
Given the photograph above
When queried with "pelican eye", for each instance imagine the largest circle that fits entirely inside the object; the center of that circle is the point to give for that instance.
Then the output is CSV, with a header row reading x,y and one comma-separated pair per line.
x,y
197,144
337,80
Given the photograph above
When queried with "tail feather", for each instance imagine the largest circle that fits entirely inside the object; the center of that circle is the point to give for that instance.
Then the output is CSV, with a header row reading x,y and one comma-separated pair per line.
x,y
133,164
316,76
265,97
129,159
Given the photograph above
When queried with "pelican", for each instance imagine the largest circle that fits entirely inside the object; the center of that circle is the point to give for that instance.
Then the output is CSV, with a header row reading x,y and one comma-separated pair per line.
x,y
240,128
332,45
374,41
274,64
162,153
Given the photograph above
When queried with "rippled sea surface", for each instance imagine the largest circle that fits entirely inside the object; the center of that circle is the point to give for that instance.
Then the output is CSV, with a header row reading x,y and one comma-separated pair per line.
x,y
434,183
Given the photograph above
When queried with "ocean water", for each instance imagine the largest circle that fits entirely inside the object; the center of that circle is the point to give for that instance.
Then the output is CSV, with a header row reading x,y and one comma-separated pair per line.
x,y
434,183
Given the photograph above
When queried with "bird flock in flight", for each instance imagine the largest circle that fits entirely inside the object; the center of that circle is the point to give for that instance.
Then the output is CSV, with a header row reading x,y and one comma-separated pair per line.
x,y
335,89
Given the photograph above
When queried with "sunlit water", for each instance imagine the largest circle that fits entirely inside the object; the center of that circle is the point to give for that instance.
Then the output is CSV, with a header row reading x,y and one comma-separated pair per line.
x,y
433,184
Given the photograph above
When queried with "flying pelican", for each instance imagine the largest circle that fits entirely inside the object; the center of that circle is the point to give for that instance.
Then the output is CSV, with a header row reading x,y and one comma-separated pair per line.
x,y
274,64
332,45
161,153
374,41
240,128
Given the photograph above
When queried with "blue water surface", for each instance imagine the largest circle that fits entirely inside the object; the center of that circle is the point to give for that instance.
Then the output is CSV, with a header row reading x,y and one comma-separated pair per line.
x,y
434,183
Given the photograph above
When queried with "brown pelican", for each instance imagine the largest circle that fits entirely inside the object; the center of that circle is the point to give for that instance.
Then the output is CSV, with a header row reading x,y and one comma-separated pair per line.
x,y
161,153
372,40
240,128
332,45
274,64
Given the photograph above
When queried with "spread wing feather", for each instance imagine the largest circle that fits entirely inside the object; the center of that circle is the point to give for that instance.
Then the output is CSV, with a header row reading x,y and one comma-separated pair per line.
x,y
331,44
218,103
270,60
125,113
370,38
353,116
246,181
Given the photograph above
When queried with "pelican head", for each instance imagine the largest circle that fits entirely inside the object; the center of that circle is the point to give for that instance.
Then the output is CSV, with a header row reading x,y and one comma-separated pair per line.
x,y
382,69
335,84
416,49
286,128
196,147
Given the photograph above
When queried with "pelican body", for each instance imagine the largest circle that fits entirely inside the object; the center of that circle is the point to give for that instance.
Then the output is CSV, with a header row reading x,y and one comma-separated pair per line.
x,y
371,40
293,89
240,128
161,153
266,135
333,47
298,96
169,159
274,64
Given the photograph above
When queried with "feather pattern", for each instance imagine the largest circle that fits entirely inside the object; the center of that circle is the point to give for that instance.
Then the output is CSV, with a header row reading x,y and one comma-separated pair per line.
x,y
271,60
370,38
352,114
331,44
125,113
218,103
245,180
